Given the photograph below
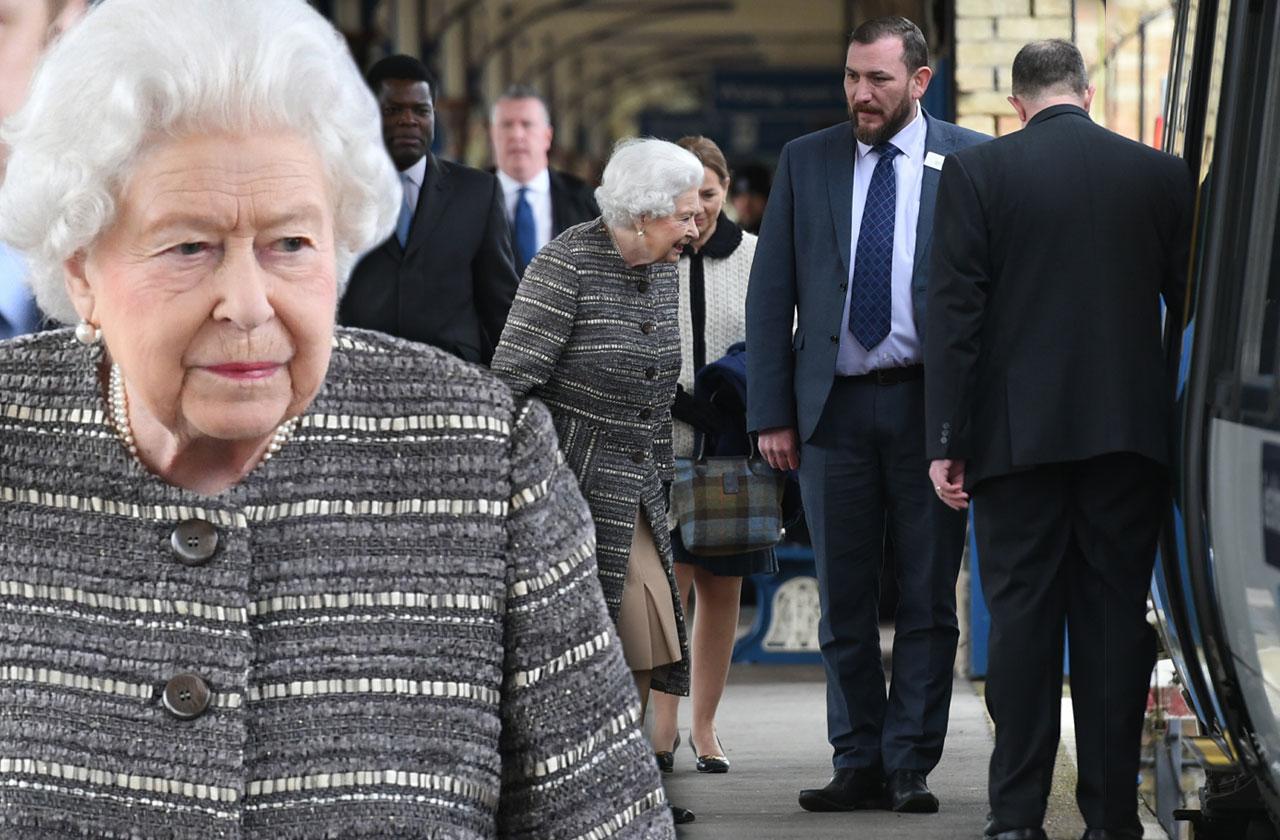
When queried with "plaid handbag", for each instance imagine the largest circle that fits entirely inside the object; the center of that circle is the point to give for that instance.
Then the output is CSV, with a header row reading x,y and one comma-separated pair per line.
x,y
727,504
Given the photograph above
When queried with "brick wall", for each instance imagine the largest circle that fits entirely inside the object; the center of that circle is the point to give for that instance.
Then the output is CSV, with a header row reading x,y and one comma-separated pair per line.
x,y
1127,68
988,34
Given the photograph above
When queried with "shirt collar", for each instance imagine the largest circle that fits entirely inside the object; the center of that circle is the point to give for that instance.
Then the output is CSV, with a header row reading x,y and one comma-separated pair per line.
x,y
538,184
417,173
909,139
1055,110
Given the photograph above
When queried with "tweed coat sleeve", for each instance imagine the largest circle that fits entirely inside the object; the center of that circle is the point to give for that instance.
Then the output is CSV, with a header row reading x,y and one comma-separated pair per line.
x,y
540,321
575,763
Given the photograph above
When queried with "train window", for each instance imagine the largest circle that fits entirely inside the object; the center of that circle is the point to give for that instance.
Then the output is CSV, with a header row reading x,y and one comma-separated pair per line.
x,y
1178,107
1271,311
1256,129
1214,99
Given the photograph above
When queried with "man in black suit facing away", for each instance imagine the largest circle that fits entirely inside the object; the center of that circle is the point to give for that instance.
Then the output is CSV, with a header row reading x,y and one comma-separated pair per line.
x,y
446,276
1047,401
540,201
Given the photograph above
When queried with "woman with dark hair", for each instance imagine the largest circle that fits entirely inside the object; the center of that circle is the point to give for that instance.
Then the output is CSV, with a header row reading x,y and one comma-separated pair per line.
x,y
714,270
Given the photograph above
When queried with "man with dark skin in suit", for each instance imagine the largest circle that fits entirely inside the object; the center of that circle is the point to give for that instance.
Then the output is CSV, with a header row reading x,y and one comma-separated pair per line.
x,y
447,276
408,120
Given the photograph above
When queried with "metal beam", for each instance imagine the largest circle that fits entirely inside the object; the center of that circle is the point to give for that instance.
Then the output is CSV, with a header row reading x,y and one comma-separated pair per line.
x,y
639,11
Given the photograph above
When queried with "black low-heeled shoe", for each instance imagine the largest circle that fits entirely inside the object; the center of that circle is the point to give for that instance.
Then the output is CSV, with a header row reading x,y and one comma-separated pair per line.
x,y
667,758
680,816
710,762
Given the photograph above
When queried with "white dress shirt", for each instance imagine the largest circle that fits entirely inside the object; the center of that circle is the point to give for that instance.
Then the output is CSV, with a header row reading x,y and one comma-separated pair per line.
x,y
539,198
902,345
412,179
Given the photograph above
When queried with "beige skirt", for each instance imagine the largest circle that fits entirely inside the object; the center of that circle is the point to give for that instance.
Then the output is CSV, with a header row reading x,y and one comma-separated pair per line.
x,y
647,618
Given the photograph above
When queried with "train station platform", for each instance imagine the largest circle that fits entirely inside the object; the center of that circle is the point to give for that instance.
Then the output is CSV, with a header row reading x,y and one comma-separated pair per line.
x,y
772,727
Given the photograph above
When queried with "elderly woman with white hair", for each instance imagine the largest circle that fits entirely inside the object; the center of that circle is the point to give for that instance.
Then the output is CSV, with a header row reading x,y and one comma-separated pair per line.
x,y
262,578
594,333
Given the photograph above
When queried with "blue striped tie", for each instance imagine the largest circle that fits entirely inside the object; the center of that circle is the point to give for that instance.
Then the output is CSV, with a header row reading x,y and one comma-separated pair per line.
x,y
870,309
405,222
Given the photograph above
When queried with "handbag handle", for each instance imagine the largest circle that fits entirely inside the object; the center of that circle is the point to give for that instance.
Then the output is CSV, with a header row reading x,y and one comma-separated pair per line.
x,y
700,447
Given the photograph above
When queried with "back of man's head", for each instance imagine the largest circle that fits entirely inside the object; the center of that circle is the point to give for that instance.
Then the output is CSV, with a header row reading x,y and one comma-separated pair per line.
x,y
1049,69
915,49
404,67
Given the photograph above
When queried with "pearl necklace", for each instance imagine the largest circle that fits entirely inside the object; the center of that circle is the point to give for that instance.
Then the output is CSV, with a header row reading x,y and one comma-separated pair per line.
x,y
120,419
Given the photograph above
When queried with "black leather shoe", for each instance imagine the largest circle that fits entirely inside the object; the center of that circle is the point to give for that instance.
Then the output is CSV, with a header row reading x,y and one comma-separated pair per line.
x,y
667,758
680,816
710,762
850,789
908,793
1015,834
1109,834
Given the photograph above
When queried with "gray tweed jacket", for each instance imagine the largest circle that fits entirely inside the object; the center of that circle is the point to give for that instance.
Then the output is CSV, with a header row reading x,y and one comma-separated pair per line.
x,y
399,625
599,343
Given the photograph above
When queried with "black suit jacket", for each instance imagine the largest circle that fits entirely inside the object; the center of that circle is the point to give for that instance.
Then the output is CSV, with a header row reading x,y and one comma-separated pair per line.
x,y
1052,248
572,202
453,283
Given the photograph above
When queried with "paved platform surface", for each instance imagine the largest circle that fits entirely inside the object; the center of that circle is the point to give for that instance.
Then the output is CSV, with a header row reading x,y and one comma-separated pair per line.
x,y
773,728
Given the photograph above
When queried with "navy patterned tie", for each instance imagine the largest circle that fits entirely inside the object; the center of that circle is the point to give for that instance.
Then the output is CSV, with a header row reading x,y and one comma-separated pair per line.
x,y
871,304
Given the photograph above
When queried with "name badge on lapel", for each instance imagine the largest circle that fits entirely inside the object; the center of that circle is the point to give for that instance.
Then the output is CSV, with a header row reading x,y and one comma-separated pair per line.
x,y
933,160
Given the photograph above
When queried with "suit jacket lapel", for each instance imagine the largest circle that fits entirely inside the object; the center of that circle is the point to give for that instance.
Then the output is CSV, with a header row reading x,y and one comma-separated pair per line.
x,y
839,155
557,205
431,204
933,142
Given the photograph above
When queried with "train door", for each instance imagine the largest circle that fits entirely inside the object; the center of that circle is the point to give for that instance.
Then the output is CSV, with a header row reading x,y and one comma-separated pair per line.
x,y
1219,583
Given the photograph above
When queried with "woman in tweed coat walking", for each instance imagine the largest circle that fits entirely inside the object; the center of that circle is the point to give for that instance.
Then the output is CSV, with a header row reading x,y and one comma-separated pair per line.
x,y
262,578
593,333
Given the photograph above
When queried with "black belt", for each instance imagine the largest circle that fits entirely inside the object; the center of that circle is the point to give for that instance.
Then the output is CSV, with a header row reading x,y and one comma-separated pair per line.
x,y
889,376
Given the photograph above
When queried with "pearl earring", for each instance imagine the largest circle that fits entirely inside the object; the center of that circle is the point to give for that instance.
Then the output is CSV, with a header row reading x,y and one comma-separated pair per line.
x,y
87,334
640,232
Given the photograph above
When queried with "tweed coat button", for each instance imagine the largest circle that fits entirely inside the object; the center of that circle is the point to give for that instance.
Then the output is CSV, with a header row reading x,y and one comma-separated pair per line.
x,y
194,542
637,457
187,696
642,286
650,372
648,327
646,413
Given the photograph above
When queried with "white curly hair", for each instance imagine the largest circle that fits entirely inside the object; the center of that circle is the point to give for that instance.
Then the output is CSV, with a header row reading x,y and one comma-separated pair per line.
x,y
643,177
136,70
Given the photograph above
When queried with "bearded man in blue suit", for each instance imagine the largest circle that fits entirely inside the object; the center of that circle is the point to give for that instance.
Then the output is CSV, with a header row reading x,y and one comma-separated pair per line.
x,y
844,256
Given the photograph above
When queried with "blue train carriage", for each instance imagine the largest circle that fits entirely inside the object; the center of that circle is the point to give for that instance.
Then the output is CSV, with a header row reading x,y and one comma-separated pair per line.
x,y
1217,587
